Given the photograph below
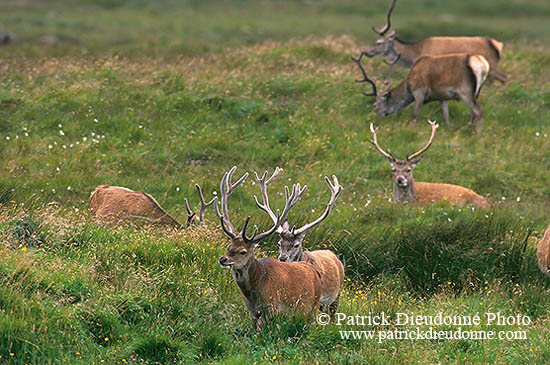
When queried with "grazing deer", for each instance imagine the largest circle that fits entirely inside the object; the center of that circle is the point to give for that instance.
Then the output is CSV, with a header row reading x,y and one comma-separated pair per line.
x,y
291,244
112,204
391,46
434,78
405,189
268,286
543,253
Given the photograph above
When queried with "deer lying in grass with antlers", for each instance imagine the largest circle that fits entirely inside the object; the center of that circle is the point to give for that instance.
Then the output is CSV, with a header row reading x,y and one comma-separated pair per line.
x,y
405,189
268,286
291,249
433,78
543,253
115,204
391,46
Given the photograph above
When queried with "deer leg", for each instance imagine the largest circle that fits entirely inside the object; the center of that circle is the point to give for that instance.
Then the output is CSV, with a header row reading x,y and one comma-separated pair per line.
x,y
477,113
333,307
499,76
418,101
445,110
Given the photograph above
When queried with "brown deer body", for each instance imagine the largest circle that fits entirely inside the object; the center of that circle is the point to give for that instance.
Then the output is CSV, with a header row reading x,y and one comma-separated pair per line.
x,y
543,253
114,204
268,286
405,189
435,78
111,204
291,249
391,46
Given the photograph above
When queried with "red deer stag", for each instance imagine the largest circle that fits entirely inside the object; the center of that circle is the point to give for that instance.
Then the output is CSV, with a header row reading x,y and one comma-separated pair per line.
x,y
268,286
434,78
391,46
543,253
115,204
291,244
405,189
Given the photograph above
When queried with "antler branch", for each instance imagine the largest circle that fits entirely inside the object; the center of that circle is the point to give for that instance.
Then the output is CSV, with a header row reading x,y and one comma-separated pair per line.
x,y
190,213
335,189
204,205
365,78
388,21
226,188
434,127
375,143
290,199
390,77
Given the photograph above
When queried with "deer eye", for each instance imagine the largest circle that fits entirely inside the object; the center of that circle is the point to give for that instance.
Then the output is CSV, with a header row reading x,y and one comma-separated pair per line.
x,y
243,252
393,170
296,245
409,170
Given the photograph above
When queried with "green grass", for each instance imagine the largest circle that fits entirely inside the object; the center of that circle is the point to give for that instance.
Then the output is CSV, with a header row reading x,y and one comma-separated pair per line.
x,y
158,96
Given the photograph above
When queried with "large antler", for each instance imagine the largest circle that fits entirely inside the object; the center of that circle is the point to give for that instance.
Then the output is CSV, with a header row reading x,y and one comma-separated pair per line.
x,y
434,127
366,78
290,199
388,22
226,188
375,143
335,190
390,77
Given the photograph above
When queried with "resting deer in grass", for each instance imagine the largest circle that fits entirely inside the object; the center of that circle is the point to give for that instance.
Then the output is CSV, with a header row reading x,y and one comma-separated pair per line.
x,y
113,204
434,78
391,46
543,253
291,244
405,189
268,286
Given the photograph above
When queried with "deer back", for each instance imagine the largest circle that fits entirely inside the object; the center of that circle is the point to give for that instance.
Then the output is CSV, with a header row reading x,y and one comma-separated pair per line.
x,y
331,270
453,71
116,203
428,193
543,253
487,47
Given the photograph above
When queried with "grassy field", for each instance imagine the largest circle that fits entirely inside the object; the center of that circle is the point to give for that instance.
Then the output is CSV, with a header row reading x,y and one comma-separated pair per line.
x,y
158,96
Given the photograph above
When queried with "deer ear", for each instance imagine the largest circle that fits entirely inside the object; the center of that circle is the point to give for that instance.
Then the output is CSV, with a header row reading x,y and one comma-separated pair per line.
x,y
415,162
391,34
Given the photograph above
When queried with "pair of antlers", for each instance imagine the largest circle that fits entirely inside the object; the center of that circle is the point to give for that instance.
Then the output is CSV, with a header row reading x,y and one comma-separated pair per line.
x,y
204,205
226,188
366,78
388,154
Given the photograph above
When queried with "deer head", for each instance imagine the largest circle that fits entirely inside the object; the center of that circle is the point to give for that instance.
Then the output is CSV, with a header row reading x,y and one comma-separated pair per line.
x,y
384,46
240,252
290,244
388,101
403,181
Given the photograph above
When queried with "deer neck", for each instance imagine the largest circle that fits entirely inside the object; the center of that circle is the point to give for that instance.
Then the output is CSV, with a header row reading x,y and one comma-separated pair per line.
x,y
404,194
409,52
247,278
401,96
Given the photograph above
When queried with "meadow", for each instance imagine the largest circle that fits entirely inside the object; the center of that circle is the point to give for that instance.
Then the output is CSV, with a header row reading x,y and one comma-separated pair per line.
x,y
158,96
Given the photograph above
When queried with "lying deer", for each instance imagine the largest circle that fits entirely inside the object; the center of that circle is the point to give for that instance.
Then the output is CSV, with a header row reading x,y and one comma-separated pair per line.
x,y
113,204
268,286
543,253
291,249
391,46
405,189
434,78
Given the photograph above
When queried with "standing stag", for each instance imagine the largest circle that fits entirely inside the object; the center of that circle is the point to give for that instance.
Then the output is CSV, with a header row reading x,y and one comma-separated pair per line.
x,y
268,286
115,204
405,189
543,253
291,249
433,78
391,46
